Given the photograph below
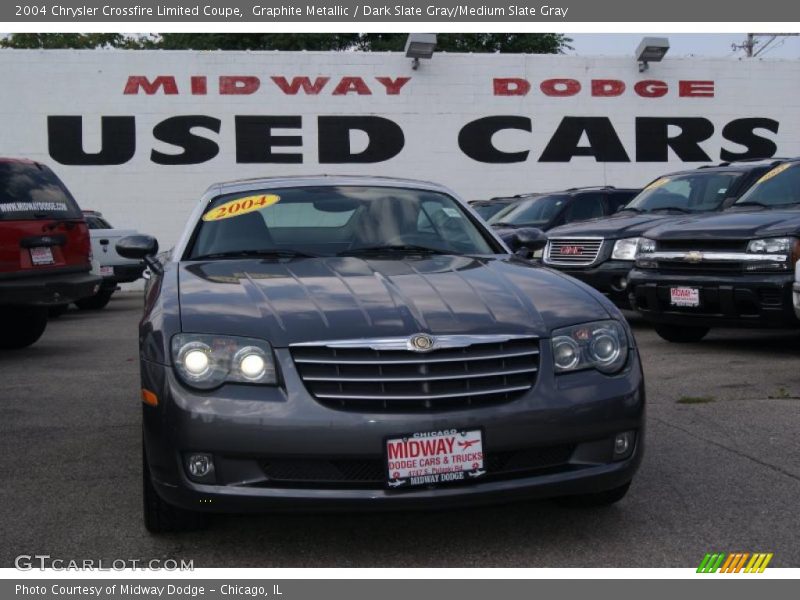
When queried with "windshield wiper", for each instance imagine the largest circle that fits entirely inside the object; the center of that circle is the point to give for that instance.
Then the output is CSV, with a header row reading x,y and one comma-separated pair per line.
x,y
629,208
267,253
392,249
754,203
677,208
505,224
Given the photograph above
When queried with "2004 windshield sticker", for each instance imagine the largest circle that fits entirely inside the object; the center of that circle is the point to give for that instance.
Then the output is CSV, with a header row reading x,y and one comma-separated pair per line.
x,y
240,206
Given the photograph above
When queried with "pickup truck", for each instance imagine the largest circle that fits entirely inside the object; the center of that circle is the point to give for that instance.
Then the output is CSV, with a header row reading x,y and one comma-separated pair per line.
x,y
113,268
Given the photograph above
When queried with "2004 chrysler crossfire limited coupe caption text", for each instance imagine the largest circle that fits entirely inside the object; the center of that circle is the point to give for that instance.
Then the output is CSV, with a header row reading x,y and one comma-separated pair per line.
x,y
327,343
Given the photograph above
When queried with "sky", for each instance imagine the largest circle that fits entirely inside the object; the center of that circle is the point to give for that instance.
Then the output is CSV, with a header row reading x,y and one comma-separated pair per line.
x,y
681,44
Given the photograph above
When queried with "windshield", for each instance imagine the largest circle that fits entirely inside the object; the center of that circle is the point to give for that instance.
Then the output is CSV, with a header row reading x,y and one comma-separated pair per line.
x,y
31,191
693,192
336,221
533,212
776,188
490,209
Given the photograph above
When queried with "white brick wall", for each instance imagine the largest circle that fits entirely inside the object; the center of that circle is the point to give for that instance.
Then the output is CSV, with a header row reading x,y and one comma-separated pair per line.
x,y
442,96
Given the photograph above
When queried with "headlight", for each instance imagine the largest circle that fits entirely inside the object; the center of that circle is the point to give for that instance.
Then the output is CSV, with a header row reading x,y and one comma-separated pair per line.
x,y
207,361
646,245
771,246
625,249
602,345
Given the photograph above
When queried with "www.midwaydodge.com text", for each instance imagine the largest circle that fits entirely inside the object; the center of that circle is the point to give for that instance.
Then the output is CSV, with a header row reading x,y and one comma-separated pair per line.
x,y
298,10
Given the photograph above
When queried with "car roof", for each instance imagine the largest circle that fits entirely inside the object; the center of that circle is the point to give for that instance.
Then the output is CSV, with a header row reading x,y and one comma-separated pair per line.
x,y
24,161
736,166
569,192
324,180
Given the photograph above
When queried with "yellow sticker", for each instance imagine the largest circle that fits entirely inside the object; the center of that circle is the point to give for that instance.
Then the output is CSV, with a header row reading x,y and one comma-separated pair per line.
x,y
240,206
777,170
657,183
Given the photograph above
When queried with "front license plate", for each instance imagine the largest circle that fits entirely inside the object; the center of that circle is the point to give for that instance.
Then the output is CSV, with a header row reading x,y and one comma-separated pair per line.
x,y
684,296
434,457
42,255
106,271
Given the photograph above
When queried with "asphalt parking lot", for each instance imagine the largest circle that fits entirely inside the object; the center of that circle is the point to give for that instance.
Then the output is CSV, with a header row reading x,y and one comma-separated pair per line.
x,y
721,471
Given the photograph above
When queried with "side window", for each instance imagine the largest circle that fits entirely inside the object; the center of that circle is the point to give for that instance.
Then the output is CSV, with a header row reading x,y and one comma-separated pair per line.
x,y
584,206
617,200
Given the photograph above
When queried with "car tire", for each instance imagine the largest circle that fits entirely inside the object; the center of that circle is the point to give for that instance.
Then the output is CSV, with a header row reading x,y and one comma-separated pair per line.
x,y
161,517
21,326
596,500
96,302
681,334
56,311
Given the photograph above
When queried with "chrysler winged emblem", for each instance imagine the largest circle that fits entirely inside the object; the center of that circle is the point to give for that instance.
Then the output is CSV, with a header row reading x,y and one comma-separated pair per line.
x,y
420,342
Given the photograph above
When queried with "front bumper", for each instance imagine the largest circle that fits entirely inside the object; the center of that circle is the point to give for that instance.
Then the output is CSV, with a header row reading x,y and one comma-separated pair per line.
x,y
610,278
244,427
49,289
740,300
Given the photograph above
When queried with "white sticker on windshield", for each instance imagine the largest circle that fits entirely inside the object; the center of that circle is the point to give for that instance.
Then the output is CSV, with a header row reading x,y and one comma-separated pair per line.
x,y
451,212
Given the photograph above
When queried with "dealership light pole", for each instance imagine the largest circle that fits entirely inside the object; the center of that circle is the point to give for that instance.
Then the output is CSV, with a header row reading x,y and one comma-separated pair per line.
x,y
651,49
420,45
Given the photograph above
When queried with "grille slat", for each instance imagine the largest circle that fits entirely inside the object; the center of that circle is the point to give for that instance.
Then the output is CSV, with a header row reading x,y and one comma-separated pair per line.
x,y
427,397
364,378
416,359
573,251
428,378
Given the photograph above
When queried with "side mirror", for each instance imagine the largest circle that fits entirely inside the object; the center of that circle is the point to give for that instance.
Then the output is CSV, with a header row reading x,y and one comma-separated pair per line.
x,y
525,241
140,247
729,201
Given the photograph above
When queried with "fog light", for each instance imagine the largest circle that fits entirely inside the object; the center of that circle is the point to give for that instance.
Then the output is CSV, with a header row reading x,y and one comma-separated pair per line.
x,y
623,445
622,283
200,465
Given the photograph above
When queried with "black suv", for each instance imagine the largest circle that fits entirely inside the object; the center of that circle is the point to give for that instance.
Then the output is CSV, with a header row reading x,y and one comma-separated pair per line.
x,y
601,252
489,208
551,209
735,268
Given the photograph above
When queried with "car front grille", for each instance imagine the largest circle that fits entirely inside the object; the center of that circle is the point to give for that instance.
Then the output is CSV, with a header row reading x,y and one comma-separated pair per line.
x,y
371,472
691,244
572,251
376,375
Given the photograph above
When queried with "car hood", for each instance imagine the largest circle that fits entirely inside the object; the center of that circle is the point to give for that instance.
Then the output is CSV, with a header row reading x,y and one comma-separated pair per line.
x,y
614,227
303,300
749,224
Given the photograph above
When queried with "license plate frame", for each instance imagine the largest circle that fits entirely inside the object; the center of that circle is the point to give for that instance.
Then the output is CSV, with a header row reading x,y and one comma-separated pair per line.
x,y
684,297
465,446
41,255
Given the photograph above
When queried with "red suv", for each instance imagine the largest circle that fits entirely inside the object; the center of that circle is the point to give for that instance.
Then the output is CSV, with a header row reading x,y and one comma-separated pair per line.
x,y
45,254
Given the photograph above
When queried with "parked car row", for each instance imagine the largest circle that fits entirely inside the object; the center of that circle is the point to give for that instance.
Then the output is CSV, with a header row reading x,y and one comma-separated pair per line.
x,y
695,249
50,253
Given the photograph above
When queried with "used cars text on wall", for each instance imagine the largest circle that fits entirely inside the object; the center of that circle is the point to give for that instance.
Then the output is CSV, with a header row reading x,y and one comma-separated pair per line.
x,y
140,134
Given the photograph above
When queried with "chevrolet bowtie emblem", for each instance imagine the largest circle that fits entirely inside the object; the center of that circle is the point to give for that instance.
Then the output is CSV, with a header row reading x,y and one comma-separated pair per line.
x,y
693,257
